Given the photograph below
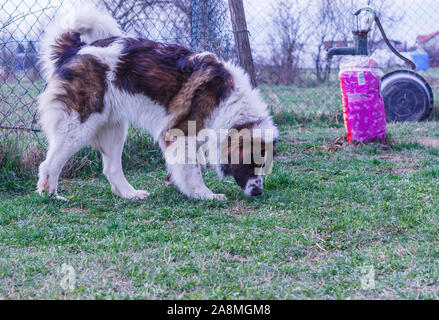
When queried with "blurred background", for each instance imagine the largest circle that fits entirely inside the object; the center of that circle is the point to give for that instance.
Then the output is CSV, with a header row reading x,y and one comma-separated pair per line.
x,y
289,40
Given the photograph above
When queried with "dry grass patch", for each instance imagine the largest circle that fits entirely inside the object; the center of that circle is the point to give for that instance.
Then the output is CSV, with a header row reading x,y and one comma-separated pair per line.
x,y
429,142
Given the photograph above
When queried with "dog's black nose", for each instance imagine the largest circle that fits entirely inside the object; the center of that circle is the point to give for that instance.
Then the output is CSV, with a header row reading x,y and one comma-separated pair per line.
x,y
256,192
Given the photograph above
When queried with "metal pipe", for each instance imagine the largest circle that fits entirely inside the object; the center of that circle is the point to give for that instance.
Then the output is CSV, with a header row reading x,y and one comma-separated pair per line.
x,y
340,52
359,49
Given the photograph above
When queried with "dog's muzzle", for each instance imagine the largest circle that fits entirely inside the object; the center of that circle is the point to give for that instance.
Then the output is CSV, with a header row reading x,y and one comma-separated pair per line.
x,y
254,186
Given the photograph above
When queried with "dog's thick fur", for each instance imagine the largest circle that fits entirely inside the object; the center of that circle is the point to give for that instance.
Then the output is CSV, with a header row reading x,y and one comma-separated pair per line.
x,y
100,81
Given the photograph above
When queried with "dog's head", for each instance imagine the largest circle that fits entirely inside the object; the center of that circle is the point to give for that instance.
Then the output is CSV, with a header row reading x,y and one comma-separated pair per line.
x,y
248,157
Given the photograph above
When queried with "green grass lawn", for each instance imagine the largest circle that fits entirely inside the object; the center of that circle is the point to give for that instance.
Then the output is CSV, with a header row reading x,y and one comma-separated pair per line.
x,y
324,218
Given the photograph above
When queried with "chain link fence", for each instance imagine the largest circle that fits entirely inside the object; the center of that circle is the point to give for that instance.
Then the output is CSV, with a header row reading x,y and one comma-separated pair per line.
x,y
289,40
201,25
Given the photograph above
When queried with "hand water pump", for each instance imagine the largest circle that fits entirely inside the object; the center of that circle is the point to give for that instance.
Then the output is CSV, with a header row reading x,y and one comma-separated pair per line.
x,y
407,96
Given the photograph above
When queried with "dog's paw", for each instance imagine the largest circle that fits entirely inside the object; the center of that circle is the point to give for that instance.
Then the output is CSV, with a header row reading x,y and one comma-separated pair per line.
x,y
208,196
61,198
130,193
214,197
219,197
140,195
44,188
42,193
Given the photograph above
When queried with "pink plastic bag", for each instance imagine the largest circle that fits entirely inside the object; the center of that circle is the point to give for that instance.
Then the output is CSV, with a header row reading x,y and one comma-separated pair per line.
x,y
363,107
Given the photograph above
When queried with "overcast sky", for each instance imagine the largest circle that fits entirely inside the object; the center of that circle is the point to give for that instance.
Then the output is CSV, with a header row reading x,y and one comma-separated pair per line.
x,y
420,17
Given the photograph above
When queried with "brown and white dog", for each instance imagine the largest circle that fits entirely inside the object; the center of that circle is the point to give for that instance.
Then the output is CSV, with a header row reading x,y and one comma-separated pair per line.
x,y
100,81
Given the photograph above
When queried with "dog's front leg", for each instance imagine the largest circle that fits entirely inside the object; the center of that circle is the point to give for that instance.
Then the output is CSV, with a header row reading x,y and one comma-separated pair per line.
x,y
189,180
110,140
185,171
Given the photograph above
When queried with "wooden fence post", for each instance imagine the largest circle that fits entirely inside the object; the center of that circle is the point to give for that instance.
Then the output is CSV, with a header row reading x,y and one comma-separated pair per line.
x,y
242,42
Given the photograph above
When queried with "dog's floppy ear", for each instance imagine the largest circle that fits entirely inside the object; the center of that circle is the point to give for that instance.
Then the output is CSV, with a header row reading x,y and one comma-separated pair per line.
x,y
233,151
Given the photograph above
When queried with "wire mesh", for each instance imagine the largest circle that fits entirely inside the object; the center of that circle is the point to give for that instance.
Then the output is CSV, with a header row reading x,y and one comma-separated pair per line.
x,y
289,40
201,25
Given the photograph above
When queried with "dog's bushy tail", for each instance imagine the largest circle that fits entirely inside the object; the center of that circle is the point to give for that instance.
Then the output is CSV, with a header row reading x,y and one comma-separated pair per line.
x,y
71,29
